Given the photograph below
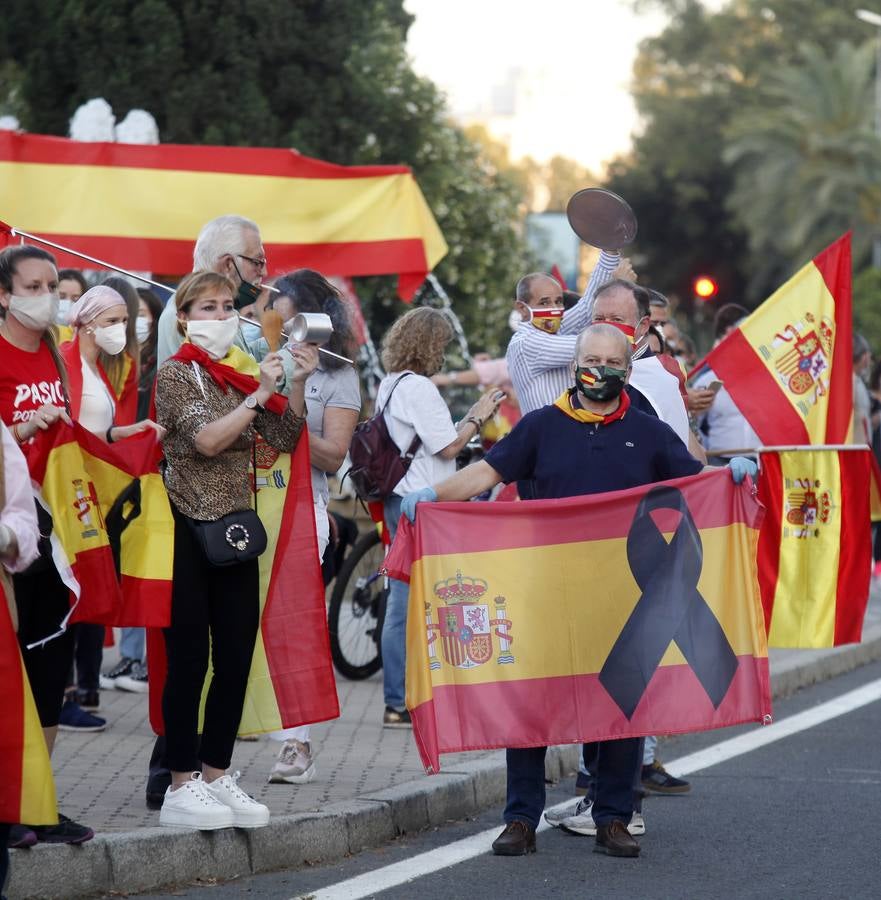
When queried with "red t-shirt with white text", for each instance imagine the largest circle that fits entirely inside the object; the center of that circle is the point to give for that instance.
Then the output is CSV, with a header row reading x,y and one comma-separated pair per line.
x,y
28,380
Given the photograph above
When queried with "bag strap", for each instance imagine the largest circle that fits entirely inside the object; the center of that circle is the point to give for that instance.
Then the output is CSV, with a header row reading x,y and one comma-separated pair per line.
x,y
416,443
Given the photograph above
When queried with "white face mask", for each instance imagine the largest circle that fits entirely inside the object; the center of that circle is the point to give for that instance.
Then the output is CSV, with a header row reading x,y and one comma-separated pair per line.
x,y
515,320
36,313
143,326
62,317
214,336
111,338
251,333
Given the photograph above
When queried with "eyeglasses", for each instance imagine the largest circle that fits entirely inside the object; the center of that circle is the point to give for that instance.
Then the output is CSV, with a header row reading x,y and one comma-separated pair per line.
x,y
257,263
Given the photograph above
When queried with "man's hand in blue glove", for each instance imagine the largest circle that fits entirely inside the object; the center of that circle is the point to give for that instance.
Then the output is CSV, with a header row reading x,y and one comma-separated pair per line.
x,y
423,495
741,467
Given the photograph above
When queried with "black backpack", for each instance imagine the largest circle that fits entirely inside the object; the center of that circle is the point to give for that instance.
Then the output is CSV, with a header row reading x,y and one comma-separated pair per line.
x,y
377,463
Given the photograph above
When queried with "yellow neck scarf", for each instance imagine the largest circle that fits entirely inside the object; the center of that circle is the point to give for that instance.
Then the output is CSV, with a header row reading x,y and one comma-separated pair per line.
x,y
565,403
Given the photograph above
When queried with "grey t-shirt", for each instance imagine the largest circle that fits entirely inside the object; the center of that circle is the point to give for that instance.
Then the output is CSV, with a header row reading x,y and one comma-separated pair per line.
x,y
325,388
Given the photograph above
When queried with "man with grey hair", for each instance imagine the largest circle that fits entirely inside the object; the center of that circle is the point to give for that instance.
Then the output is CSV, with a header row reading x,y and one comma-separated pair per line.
x,y
230,245
589,441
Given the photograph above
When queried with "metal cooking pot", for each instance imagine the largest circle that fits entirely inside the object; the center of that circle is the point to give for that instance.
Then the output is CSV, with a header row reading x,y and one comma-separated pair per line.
x,y
311,328
601,218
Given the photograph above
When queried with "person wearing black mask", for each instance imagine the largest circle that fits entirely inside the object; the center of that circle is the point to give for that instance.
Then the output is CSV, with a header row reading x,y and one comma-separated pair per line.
x,y
589,441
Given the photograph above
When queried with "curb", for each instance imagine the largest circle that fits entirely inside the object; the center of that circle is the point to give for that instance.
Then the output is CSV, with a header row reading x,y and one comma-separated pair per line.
x,y
153,858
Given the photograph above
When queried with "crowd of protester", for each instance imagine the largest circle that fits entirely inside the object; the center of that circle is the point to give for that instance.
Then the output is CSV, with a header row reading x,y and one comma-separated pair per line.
x,y
109,356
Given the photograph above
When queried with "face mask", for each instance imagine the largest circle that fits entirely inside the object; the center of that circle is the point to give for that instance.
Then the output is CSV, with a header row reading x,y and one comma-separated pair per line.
x,y
143,327
548,320
214,336
62,317
627,330
36,313
247,292
515,320
600,383
111,338
251,333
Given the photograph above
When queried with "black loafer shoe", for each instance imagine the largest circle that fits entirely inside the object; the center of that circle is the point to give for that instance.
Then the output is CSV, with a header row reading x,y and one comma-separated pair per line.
x,y
615,840
517,839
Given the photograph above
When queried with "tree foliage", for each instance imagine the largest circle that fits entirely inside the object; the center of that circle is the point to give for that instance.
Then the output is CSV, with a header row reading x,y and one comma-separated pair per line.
x,y
690,84
328,77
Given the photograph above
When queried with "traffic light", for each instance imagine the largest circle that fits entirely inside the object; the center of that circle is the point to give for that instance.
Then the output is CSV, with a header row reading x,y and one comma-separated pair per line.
x,y
705,287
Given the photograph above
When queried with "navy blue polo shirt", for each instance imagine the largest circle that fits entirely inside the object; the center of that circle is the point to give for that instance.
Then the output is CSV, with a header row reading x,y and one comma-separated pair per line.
x,y
567,458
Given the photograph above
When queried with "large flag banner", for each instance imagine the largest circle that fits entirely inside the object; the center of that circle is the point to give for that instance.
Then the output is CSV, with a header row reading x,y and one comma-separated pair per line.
x,y
815,549
142,206
291,680
27,790
110,514
559,621
789,366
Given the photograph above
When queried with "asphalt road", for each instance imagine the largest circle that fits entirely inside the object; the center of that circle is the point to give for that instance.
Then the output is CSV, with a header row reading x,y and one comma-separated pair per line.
x,y
797,818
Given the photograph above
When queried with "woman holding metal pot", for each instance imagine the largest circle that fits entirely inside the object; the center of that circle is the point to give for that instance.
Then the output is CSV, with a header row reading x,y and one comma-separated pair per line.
x,y
333,402
213,409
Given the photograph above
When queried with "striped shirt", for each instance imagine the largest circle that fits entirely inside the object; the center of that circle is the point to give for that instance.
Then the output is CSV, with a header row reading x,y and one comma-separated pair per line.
x,y
540,363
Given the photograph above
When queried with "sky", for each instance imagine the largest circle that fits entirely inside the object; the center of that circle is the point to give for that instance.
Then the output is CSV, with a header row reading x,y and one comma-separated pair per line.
x,y
552,77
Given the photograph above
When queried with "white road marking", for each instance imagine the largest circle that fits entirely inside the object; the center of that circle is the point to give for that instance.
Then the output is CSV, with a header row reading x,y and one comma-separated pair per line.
x,y
371,883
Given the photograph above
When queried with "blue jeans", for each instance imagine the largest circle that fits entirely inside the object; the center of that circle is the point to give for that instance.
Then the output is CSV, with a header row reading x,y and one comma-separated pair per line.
x,y
131,644
616,764
394,627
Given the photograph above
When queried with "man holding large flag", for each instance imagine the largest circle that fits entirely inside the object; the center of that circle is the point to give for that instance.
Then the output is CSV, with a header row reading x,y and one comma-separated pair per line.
x,y
591,440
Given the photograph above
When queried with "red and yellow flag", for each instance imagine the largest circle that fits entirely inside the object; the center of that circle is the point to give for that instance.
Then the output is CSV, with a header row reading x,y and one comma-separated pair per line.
x,y
559,621
27,790
291,680
142,206
788,366
110,513
815,549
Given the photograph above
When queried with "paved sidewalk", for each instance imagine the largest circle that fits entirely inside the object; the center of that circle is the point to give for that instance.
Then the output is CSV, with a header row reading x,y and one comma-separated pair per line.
x,y
369,787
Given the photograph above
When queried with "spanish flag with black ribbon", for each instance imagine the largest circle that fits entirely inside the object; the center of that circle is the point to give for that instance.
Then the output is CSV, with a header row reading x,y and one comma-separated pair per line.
x,y
291,681
27,790
815,549
112,529
590,618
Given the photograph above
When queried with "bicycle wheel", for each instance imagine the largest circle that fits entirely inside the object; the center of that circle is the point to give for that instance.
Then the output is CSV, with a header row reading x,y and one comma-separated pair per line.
x,y
357,605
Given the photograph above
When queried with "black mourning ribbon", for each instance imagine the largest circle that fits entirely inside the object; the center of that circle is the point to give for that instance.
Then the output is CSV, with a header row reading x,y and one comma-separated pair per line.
x,y
670,609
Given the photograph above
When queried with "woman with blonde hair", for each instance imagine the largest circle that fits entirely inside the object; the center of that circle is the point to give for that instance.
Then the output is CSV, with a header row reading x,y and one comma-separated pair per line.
x,y
213,410
413,351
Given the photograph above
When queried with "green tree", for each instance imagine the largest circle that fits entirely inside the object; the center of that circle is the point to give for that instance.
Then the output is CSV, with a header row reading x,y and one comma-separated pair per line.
x,y
867,307
330,78
807,160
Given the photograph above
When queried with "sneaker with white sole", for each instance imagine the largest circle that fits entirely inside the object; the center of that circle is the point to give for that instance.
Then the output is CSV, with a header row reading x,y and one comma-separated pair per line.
x,y
581,821
135,681
294,765
246,811
192,805
555,818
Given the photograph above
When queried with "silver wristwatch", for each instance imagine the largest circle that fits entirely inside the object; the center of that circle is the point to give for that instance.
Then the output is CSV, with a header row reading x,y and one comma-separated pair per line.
x,y
252,403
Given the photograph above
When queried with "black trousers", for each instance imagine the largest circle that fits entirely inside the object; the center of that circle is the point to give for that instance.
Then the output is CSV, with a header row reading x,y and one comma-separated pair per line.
x,y
89,653
43,600
213,610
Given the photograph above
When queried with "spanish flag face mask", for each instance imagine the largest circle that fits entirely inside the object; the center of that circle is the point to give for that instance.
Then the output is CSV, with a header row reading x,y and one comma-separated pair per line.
x,y
548,320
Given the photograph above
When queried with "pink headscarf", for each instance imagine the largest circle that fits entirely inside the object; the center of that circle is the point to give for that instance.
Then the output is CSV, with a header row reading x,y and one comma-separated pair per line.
x,y
95,301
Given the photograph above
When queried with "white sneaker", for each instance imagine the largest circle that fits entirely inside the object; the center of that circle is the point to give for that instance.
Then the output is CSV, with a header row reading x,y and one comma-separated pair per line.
x,y
246,811
637,824
193,806
580,821
555,819
294,765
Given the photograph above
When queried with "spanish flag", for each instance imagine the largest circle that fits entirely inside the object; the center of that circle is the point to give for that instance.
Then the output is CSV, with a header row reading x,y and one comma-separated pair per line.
x,y
291,680
815,549
142,206
591,618
27,790
113,533
788,366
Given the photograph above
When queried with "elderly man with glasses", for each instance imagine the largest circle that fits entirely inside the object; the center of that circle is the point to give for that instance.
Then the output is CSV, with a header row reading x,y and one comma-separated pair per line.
x,y
230,245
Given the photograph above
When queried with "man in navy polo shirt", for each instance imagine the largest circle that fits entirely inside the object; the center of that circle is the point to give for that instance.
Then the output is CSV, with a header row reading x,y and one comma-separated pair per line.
x,y
589,441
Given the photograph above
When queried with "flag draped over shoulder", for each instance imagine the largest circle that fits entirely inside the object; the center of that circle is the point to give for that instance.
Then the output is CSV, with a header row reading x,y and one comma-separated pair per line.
x,y
110,514
291,681
815,549
27,790
788,366
559,621
142,206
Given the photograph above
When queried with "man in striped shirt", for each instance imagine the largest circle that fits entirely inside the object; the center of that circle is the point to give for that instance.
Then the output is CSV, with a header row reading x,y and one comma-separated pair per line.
x,y
542,348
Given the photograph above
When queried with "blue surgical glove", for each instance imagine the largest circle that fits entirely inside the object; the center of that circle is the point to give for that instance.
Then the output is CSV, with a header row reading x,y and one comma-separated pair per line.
x,y
423,495
741,467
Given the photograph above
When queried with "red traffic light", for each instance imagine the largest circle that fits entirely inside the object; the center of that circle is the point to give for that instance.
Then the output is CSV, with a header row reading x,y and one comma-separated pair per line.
x,y
705,287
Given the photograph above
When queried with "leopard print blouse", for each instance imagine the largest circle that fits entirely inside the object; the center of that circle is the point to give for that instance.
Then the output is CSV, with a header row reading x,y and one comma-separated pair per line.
x,y
203,487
